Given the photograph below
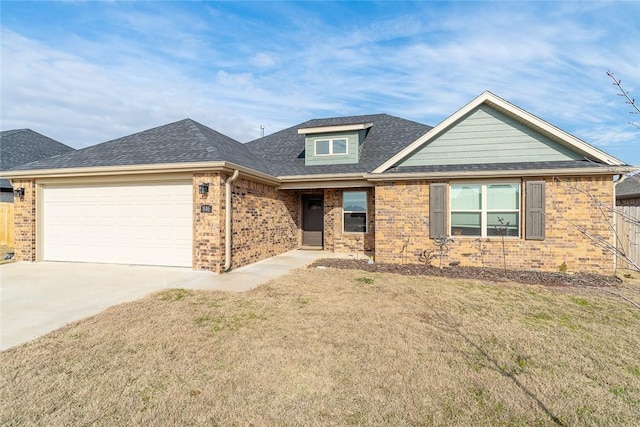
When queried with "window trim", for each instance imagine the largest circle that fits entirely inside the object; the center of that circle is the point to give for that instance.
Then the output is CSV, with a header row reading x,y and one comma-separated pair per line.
x,y
483,208
366,212
331,141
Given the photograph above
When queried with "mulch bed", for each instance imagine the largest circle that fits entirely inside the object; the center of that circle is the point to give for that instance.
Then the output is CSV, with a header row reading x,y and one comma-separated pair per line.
x,y
474,273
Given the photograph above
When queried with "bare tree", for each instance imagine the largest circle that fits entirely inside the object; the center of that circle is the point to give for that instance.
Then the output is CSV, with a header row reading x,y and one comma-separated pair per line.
x,y
625,94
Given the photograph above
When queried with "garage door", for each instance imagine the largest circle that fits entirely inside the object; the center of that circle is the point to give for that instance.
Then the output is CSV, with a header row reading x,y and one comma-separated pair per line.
x,y
132,223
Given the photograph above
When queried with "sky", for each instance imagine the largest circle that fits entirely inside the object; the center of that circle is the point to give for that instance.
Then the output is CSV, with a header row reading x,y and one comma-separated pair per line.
x,y
85,72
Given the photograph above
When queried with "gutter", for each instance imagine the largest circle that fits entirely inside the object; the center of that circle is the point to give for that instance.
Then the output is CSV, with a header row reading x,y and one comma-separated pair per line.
x,y
227,220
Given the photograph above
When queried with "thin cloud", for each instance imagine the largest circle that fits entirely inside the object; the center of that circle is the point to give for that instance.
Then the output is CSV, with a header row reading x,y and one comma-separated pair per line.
x,y
235,66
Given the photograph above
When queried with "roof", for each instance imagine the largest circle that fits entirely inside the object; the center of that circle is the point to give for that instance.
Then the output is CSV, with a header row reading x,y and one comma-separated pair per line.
x,y
186,145
19,146
184,141
629,188
283,151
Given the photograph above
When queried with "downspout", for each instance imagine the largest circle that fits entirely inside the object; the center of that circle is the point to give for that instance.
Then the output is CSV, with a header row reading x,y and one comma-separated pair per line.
x,y
227,220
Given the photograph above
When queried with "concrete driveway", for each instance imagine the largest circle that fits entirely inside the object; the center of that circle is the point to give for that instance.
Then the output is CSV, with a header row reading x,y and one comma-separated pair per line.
x,y
37,298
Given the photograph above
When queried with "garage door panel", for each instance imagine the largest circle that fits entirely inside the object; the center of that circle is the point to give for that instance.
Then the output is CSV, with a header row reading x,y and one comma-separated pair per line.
x,y
147,223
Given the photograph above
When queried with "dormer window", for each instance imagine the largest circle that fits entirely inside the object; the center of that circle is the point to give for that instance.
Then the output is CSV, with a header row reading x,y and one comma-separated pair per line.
x,y
330,147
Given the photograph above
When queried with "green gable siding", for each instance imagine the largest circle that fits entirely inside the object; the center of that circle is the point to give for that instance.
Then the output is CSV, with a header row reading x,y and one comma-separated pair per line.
x,y
353,150
488,136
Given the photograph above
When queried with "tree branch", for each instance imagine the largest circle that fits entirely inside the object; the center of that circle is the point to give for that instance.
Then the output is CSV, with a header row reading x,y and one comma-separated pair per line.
x,y
625,94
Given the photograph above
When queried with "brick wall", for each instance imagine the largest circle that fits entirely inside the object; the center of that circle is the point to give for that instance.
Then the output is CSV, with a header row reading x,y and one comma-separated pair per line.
x,y
335,240
402,211
265,221
24,221
208,228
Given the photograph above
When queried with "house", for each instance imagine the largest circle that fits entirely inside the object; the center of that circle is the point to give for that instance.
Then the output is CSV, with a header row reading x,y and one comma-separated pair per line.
x,y
498,180
628,191
19,146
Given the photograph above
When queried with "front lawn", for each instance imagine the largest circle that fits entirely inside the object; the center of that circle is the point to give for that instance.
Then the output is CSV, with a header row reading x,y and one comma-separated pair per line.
x,y
338,347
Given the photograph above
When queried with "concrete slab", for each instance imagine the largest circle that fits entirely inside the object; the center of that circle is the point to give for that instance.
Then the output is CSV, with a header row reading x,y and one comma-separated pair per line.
x,y
37,298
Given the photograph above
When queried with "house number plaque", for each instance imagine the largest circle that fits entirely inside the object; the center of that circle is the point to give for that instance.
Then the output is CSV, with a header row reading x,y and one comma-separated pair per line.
x,y
206,209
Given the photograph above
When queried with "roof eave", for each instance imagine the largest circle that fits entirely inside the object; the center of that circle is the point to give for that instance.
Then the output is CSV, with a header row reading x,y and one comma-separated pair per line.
x,y
609,170
225,167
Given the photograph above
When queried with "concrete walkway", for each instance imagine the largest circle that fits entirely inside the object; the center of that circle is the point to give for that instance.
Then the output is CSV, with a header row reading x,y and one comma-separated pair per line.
x,y
37,298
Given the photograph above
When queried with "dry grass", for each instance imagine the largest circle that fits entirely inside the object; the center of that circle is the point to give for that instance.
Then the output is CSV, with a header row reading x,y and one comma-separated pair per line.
x,y
328,347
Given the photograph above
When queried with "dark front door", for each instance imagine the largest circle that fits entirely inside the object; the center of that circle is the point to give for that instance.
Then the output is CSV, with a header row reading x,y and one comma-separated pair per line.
x,y
312,220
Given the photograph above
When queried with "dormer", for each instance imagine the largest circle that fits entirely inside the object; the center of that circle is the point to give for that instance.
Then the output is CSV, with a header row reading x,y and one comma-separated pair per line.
x,y
334,144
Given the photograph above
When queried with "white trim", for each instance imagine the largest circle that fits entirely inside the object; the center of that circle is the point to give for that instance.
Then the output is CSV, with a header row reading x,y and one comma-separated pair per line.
x,y
306,185
373,177
484,211
225,167
337,128
505,107
331,143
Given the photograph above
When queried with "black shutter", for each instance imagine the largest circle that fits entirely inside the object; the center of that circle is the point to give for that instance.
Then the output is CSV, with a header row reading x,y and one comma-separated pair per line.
x,y
535,214
437,210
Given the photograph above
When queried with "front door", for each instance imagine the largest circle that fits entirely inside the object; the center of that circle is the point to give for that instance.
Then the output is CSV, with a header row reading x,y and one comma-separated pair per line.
x,y
312,219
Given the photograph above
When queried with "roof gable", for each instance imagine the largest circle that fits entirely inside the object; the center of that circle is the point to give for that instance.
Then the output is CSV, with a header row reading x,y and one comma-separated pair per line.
x,y
539,126
485,135
284,151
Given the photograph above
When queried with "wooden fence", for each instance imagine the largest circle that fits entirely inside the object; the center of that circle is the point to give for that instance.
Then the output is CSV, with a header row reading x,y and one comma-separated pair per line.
x,y
6,224
628,234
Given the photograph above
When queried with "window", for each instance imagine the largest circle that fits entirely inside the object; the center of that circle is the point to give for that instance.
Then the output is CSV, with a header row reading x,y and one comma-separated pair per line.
x,y
354,208
485,210
329,147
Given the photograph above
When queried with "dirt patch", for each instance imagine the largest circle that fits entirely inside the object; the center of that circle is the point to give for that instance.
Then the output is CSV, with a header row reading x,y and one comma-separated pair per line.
x,y
474,273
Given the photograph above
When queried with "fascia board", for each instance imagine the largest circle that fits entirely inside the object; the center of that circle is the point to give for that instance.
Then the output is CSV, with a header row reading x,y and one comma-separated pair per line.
x,y
141,170
307,185
528,118
321,177
337,128
608,170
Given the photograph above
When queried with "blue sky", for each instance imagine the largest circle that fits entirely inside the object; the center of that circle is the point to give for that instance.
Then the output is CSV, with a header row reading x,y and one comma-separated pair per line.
x,y
87,72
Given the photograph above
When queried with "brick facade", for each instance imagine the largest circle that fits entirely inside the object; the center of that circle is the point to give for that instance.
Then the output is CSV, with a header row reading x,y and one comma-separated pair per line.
x,y
402,229
335,240
265,221
24,221
208,228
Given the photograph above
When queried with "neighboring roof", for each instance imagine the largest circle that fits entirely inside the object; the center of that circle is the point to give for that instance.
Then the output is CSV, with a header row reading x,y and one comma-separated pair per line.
x,y
184,141
516,113
283,150
19,146
629,188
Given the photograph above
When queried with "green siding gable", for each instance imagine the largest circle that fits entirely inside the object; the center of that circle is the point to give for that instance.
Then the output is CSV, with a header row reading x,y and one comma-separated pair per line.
x,y
353,149
488,136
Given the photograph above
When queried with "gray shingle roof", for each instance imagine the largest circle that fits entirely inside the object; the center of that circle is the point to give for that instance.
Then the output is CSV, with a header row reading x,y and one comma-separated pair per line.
x,y
629,188
184,141
282,151
19,146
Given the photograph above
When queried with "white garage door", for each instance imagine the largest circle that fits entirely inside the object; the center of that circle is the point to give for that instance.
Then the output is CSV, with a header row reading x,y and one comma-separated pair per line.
x,y
132,223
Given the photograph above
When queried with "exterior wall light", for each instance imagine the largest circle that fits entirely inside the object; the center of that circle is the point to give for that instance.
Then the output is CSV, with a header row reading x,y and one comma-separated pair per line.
x,y
18,192
203,189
